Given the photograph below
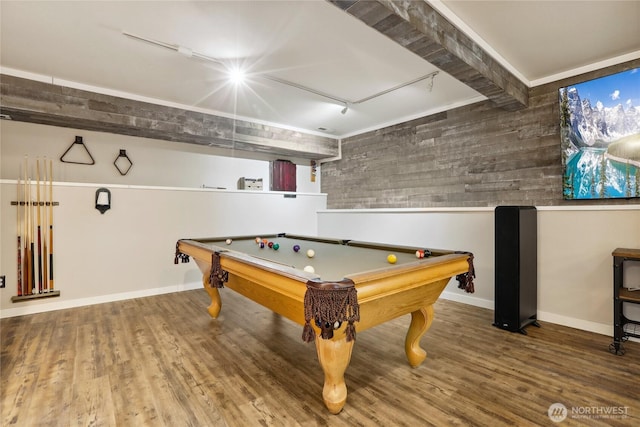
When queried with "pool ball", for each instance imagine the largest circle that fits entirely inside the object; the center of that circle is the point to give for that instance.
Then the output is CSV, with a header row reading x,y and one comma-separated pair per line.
x,y
391,259
261,245
311,253
276,246
258,240
309,269
296,248
228,241
419,254
270,244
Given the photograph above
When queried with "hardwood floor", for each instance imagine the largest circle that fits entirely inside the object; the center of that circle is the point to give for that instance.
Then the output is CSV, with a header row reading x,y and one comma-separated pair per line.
x,y
162,361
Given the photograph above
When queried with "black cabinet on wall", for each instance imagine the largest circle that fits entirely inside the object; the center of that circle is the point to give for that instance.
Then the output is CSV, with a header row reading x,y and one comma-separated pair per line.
x,y
516,267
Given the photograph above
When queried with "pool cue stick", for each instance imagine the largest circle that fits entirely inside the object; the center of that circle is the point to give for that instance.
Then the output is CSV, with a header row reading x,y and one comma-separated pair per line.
x,y
39,226
29,237
25,258
32,223
45,277
50,225
19,231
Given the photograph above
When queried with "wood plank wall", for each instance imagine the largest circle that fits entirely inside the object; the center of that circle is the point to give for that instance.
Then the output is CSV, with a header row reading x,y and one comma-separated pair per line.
x,y
52,104
418,27
473,156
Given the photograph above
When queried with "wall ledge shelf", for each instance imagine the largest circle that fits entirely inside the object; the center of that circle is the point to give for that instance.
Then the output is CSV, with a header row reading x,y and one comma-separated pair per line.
x,y
462,209
165,188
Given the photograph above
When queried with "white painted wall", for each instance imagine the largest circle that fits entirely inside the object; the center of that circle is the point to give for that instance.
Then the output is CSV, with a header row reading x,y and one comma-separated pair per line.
x,y
155,162
128,251
574,252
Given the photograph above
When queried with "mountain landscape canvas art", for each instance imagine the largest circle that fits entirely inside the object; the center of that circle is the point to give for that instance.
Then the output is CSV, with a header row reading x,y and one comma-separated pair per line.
x,y
600,137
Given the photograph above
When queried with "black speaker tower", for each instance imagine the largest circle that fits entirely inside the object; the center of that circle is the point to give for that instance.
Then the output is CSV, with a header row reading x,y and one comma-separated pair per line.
x,y
516,267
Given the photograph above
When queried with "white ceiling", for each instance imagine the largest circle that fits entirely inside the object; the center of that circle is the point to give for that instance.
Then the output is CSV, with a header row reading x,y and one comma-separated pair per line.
x,y
310,43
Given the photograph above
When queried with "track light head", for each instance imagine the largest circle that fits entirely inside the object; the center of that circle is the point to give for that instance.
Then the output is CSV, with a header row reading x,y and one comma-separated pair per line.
x,y
237,75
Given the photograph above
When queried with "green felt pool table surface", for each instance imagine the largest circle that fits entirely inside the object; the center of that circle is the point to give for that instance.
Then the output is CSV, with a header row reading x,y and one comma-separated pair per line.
x,y
334,259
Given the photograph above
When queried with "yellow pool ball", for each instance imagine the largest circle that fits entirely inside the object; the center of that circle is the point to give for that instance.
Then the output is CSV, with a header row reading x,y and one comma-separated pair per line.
x,y
311,253
391,259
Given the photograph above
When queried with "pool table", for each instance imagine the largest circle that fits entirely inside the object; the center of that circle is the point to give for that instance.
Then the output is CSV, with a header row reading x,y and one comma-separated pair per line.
x,y
353,287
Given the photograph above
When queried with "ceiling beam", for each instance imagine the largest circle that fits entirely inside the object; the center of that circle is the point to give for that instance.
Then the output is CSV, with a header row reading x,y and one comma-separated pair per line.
x,y
418,27
44,103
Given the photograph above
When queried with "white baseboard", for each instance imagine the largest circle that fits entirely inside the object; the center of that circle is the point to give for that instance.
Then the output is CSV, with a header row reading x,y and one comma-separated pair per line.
x,y
584,325
81,302
467,299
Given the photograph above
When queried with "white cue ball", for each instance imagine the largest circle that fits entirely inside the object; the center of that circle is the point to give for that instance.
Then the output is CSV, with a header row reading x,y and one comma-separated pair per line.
x,y
311,253
309,269
228,241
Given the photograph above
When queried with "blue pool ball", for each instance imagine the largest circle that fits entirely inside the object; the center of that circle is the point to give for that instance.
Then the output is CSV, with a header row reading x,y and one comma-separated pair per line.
x,y
296,248
276,246
261,245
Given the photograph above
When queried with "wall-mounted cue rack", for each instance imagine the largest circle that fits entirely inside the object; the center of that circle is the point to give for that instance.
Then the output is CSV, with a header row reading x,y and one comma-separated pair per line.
x,y
34,232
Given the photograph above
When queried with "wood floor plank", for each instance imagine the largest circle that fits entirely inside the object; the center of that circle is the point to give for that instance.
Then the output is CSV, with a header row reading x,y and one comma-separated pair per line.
x,y
16,397
133,396
56,372
91,404
162,361
175,357
20,375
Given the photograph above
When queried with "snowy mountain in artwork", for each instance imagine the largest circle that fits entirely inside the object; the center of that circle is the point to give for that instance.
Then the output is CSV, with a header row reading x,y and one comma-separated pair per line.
x,y
598,125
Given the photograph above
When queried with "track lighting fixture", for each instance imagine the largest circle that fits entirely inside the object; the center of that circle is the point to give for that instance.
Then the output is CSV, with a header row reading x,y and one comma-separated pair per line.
x,y
237,75
431,82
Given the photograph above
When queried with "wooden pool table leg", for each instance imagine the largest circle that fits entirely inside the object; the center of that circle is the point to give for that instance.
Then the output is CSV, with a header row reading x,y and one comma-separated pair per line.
x,y
216,303
334,356
420,323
